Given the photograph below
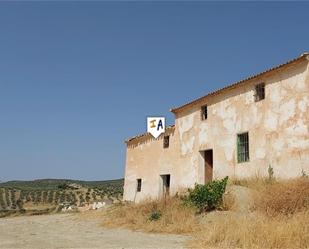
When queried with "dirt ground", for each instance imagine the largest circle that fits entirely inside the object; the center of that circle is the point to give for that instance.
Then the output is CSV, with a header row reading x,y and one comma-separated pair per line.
x,y
70,231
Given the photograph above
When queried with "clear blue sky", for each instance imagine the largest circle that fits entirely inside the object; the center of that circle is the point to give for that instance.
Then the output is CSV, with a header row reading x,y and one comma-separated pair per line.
x,y
76,79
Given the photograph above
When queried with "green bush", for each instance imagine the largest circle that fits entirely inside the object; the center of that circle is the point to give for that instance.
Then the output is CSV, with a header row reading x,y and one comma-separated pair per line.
x,y
19,204
50,196
45,194
208,197
155,215
63,186
57,196
7,198
270,173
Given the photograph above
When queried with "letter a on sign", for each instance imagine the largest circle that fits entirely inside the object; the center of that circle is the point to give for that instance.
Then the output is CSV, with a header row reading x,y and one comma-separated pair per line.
x,y
155,126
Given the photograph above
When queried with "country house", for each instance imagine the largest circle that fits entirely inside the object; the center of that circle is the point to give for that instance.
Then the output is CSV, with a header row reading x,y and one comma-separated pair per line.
x,y
237,131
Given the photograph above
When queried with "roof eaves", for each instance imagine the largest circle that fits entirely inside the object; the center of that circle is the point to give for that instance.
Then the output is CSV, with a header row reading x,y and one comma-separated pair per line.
x,y
146,134
179,108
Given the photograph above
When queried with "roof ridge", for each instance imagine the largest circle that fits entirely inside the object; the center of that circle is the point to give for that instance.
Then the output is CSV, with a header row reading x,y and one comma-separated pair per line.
x,y
145,134
302,56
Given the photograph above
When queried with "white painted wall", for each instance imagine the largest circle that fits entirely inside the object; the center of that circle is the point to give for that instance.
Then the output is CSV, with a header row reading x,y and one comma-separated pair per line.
x,y
278,136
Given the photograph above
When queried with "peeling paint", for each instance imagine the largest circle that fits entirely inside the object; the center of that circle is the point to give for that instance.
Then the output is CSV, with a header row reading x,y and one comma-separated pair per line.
x,y
204,129
275,95
185,124
227,144
260,153
277,127
298,129
271,121
303,104
296,143
187,147
287,111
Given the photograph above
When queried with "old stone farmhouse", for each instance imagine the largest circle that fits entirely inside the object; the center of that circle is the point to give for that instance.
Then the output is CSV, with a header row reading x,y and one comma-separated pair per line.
x,y
236,131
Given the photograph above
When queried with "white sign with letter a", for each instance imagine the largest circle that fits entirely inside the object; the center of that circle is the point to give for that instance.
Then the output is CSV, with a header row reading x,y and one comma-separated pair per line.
x,y
155,126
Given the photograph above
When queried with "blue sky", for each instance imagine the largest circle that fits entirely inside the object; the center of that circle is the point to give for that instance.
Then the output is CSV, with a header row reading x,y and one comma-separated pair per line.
x,y
77,78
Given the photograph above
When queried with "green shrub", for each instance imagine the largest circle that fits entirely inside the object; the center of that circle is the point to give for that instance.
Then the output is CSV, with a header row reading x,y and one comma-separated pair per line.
x,y
270,173
81,200
208,197
62,197
2,202
50,196
45,194
19,204
7,198
13,198
155,215
57,195
63,186
304,174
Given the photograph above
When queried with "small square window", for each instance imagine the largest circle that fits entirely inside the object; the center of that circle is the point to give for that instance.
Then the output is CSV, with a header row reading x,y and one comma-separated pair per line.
x,y
204,112
139,185
166,142
259,92
243,147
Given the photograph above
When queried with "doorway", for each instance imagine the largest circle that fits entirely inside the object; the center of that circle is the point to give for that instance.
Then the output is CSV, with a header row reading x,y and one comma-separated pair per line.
x,y
166,180
208,165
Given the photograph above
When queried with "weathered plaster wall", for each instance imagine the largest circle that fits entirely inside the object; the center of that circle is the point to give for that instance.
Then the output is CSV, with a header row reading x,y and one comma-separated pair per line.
x,y
147,160
278,136
277,126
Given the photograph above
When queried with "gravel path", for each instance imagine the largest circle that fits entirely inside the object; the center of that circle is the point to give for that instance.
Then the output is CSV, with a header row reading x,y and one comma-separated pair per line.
x,y
68,231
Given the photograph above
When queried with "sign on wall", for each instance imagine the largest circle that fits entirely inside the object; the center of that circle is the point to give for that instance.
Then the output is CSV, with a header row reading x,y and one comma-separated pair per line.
x,y
155,126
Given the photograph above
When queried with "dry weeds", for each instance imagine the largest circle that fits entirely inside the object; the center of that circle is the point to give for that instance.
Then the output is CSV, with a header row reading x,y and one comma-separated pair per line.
x,y
255,231
279,218
284,197
175,216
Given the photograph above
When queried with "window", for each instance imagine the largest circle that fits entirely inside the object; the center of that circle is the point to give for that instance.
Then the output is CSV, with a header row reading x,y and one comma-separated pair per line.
x,y
166,142
204,112
243,147
139,185
259,92
166,182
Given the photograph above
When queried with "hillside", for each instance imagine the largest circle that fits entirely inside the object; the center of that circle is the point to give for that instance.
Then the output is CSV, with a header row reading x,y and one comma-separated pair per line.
x,y
52,184
49,195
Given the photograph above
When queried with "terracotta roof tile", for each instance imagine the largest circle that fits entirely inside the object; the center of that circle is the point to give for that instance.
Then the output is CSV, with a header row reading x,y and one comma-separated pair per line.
x,y
300,58
303,56
147,134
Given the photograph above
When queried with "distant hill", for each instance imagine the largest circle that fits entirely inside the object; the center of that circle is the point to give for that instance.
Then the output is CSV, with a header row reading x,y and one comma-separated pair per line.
x,y
48,195
52,184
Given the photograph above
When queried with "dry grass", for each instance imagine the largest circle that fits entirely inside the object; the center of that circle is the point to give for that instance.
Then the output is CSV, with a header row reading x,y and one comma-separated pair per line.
x,y
279,217
40,206
255,231
284,198
256,183
175,216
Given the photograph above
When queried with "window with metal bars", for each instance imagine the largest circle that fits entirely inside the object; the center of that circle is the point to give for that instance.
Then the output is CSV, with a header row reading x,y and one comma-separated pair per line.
x,y
259,92
243,147
204,112
166,142
139,185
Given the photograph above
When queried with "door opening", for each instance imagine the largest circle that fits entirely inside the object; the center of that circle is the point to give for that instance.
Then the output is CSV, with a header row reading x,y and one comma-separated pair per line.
x,y
166,179
208,159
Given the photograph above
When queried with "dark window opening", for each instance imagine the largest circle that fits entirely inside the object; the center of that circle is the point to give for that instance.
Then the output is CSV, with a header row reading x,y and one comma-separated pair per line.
x,y
204,112
259,92
243,147
208,161
166,142
139,185
166,184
